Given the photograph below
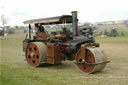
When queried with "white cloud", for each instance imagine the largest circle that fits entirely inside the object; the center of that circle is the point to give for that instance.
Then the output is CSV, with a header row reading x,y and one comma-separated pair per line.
x,y
89,10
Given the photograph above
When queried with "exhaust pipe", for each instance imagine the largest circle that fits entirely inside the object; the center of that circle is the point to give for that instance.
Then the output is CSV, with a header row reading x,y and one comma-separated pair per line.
x,y
75,23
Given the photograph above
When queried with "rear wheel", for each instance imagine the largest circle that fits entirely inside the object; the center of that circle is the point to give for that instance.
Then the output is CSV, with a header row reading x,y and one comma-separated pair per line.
x,y
36,53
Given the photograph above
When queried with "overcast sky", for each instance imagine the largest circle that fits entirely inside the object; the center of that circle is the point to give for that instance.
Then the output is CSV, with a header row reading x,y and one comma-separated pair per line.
x,y
16,11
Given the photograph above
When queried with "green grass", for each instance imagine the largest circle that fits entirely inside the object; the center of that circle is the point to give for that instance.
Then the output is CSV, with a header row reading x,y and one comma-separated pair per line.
x,y
119,39
15,71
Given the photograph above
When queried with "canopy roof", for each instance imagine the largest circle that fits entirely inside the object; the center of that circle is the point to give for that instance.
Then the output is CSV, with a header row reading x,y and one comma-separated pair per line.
x,y
51,20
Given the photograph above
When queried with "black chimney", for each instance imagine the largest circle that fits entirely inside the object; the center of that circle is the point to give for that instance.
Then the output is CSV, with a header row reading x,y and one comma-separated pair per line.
x,y
75,23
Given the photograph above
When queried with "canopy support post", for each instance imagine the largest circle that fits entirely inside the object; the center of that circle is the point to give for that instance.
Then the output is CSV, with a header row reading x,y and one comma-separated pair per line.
x,y
30,32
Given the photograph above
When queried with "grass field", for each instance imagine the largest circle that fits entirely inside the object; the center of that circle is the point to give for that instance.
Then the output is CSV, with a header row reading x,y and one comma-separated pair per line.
x,y
15,71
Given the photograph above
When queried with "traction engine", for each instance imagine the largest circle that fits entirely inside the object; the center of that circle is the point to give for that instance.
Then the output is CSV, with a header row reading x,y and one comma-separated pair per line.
x,y
54,47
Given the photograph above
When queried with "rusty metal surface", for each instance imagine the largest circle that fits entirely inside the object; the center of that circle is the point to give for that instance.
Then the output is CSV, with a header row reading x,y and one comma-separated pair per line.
x,y
53,53
50,50
42,36
36,53
99,58
51,60
94,55
90,58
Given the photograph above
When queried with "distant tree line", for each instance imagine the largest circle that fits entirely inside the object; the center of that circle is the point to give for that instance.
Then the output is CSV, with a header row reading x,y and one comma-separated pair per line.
x,y
111,33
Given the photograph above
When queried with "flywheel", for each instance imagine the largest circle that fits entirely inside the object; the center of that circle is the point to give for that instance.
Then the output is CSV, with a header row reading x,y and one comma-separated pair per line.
x,y
36,53
95,60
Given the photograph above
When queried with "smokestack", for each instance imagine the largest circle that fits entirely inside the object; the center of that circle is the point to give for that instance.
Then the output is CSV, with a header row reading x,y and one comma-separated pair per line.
x,y
74,23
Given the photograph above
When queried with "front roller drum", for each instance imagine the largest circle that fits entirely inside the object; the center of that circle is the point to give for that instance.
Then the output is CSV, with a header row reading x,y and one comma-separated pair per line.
x,y
95,60
36,53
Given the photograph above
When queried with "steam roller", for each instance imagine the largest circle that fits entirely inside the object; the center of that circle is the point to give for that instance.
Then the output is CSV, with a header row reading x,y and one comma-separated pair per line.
x,y
55,47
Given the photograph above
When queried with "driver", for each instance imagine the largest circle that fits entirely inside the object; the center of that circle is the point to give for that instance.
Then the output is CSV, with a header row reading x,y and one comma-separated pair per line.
x,y
40,28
